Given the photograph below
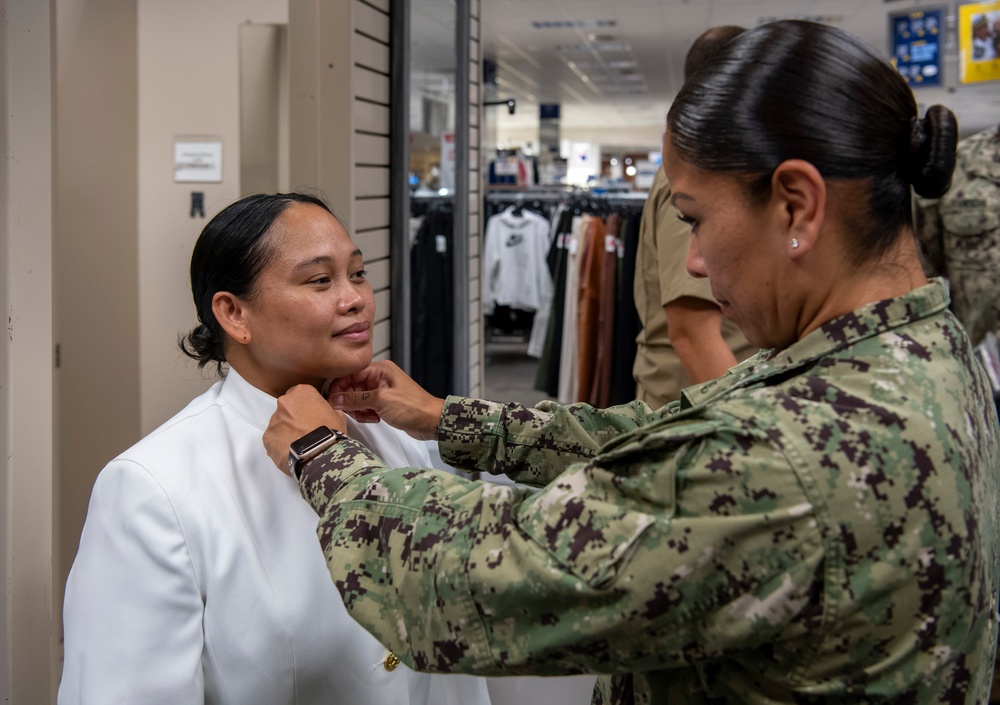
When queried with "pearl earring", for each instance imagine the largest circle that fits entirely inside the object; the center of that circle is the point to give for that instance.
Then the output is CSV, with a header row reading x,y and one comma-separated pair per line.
x,y
795,243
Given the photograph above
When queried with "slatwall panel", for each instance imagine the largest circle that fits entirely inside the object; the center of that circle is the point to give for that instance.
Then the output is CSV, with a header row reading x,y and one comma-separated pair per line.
x,y
378,272
370,150
380,337
380,281
371,86
383,305
476,361
370,114
373,116
374,244
370,214
340,64
371,182
370,54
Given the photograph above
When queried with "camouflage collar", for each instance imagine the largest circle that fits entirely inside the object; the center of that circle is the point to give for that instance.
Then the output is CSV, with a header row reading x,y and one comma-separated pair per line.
x,y
842,332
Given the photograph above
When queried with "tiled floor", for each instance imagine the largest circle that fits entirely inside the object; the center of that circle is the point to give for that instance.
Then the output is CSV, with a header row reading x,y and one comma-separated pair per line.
x,y
510,376
510,373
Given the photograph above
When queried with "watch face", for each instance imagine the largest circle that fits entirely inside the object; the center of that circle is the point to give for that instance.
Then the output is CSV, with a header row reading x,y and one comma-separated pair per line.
x,y
310,440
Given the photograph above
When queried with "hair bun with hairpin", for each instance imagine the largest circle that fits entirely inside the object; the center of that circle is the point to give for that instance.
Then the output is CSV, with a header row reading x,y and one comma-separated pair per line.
x,y
933,141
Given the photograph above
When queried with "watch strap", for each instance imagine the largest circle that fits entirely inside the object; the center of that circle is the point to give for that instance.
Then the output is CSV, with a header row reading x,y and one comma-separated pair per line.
x,y
297,459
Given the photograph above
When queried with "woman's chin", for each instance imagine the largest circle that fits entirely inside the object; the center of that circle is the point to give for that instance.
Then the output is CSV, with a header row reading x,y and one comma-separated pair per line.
x,y
350,366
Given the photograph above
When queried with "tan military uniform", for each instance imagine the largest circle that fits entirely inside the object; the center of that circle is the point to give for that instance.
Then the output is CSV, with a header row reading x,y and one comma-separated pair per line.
x,y
661,278
959,234
819,525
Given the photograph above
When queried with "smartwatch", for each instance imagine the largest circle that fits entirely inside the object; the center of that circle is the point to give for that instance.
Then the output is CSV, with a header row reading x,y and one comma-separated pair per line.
x,y
309,446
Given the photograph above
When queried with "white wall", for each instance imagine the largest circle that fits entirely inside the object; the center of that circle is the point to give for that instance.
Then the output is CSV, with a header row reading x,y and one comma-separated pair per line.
x,y
28,668
264,137
188,85
95,254
5,372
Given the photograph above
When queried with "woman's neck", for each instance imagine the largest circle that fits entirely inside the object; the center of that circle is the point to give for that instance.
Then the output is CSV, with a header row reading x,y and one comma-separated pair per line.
x,y
267,381
894,274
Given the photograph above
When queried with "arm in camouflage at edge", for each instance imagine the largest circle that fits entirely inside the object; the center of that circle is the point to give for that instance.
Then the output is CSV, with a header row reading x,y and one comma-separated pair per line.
x,y
532,446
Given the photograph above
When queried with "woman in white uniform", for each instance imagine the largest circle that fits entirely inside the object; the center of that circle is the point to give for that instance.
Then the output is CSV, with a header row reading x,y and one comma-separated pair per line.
x,y
199,578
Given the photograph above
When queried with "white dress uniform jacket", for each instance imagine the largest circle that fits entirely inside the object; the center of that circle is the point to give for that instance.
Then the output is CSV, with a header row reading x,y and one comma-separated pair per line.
x,y
199,577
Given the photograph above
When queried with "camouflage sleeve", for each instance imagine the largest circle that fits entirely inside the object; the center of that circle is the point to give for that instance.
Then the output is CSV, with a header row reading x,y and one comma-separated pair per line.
x,y
666,550
530,445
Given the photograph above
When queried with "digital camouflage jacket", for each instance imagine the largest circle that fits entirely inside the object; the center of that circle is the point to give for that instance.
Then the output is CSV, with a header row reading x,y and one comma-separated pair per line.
x,y
959,234
818,526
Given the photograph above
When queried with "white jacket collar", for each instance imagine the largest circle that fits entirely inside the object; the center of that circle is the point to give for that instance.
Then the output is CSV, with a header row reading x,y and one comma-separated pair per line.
x,y
249,403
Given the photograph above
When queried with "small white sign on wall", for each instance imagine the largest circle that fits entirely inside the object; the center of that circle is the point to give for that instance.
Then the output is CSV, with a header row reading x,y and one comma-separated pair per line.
x,y
197,160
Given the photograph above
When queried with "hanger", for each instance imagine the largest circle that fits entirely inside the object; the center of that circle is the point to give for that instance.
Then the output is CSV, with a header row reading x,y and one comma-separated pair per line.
x,y
518,205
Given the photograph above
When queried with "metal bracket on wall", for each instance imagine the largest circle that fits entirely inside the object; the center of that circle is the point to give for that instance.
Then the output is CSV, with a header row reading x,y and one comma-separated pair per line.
x,y
197,204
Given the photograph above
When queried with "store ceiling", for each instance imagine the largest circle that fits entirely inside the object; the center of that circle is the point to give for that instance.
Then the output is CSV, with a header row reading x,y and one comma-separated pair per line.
x,y
618,63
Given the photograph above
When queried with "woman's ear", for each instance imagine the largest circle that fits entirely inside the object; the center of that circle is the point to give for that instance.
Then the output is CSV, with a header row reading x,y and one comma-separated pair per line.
x,y
800,193
230,312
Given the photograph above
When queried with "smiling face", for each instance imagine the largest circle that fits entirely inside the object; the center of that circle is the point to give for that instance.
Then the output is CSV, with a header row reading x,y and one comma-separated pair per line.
x,y
311,315
735,245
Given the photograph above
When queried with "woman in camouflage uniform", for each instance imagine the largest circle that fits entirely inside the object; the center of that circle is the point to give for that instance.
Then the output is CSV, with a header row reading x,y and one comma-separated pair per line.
x,y
819,525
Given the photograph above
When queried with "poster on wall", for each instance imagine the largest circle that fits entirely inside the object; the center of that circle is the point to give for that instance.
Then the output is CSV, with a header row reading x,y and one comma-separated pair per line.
x,y
916,38
979,41
197,160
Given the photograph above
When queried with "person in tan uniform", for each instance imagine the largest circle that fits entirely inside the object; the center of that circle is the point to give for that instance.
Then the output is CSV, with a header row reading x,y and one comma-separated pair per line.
x,y
684,338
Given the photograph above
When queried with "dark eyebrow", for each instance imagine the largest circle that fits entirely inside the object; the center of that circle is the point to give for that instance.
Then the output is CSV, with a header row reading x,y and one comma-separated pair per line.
x,y
682,196
323,259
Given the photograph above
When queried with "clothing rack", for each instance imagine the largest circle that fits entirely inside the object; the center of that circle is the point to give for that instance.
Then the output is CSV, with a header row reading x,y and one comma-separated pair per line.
x,y
423,203
557,193
432,290
546,200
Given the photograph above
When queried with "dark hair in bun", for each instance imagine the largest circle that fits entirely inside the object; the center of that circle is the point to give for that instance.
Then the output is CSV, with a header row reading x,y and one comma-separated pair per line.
x,y
803,90
932,151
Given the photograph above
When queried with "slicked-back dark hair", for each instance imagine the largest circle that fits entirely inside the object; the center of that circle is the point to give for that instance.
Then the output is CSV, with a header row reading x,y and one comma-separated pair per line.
x,y
708,45
803,90
230,253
